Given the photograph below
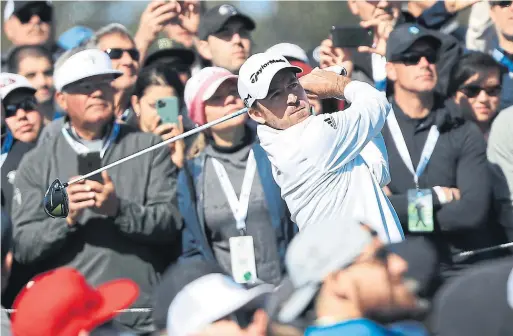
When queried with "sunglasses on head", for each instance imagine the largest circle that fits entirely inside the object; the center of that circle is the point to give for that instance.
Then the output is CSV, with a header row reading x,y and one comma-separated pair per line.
x,y
42,10
117,53
472,91
29,104
501,4
415,57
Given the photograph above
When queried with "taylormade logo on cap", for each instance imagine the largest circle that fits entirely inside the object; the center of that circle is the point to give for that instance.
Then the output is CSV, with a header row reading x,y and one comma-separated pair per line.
x,y
256,74
254,77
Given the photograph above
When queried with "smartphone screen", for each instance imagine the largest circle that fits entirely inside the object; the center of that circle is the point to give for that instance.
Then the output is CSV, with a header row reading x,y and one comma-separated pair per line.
x,y
168,109
89,162
352,37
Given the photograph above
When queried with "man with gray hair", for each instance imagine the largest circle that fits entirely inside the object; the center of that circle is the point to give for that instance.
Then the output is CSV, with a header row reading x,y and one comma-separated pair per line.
x,y
119,44
114,229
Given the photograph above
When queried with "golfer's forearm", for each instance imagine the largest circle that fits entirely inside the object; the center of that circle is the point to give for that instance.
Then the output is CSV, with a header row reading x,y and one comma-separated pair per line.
x,y
342,82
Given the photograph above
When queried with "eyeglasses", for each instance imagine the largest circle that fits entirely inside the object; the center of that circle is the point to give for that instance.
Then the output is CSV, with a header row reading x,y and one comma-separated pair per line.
x,y
472,91
414,58
29,104
42,10
117,53
501,4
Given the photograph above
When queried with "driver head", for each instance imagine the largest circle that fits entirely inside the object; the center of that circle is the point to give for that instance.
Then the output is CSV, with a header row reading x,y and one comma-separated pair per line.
x,y
56,200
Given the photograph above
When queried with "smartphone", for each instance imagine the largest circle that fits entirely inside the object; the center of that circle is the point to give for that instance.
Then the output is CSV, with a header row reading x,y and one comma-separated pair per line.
x,y
168,109
351,36
89,162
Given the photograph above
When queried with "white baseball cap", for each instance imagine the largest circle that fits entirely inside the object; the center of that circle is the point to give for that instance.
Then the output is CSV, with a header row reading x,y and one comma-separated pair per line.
x,y
84,64
289,50
256,74
314,254
210,298
10,82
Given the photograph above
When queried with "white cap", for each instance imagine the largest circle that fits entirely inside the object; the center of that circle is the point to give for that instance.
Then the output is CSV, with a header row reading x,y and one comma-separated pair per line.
x,y
256,74
84,64
315,253
10,82
289,50
207,80
208,299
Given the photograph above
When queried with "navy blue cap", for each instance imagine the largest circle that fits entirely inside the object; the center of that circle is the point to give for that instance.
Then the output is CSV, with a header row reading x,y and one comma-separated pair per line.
x,y
404,36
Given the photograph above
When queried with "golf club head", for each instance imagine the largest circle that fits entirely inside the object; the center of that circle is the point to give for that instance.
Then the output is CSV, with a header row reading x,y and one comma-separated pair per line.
x,y
56,202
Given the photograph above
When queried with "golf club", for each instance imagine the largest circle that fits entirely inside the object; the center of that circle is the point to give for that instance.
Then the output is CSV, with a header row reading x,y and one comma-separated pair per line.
x,y
56,203
483,250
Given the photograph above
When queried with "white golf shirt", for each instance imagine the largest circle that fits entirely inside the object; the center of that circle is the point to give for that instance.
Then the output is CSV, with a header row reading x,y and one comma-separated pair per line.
x,y
331,167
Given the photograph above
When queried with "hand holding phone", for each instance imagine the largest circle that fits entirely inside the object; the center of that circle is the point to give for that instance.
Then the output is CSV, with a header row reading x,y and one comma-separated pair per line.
x,y
89,162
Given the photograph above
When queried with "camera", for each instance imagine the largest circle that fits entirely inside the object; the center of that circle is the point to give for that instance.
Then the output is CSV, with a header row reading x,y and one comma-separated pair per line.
x,y
161,103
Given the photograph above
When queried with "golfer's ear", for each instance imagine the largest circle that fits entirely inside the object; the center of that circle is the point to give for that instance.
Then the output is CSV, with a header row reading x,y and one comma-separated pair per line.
x,y
256,114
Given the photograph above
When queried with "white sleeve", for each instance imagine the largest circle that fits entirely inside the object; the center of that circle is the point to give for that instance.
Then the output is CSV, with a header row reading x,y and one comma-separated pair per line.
x,y
376,157
343,134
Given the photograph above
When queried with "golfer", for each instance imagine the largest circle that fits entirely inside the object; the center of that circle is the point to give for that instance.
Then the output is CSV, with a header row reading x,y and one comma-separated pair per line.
x,y
324,164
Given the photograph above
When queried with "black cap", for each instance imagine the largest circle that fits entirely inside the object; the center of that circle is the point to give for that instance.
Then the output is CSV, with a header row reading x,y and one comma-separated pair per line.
x,y
174,280
422,259
13,7
167,51
215,19
404,36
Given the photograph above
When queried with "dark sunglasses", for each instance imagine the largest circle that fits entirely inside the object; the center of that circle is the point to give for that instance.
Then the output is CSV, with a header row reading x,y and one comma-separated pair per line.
x,y
472,91
29,104
117,53
414,58
501,4
42,10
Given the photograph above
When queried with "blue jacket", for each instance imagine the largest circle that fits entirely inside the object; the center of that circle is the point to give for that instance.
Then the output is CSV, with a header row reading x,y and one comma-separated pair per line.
x,y
365,327
195,243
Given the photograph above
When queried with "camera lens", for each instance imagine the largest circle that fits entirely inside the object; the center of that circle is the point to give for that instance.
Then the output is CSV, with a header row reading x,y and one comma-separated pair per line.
x,y
161,104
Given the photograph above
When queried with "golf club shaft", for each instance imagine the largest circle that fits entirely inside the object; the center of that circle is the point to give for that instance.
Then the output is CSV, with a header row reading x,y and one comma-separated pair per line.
x,y
486,249
160,144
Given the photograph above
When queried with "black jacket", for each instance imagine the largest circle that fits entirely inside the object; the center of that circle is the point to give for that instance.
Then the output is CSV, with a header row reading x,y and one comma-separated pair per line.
x,y
458,161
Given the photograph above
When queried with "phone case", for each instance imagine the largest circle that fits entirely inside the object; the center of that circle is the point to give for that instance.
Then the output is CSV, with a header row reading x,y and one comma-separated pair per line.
x,y
168,109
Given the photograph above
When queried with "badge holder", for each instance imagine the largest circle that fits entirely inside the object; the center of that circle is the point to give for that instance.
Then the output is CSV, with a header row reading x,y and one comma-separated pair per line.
x,y
242,253
420,210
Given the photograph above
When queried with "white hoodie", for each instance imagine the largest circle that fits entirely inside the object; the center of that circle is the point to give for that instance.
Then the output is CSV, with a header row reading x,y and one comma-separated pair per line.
x,y
328,168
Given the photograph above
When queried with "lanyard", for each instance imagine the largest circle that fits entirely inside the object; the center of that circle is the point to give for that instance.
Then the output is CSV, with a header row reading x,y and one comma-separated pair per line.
x,y
239,206
429,146
499,56
80,148
6,147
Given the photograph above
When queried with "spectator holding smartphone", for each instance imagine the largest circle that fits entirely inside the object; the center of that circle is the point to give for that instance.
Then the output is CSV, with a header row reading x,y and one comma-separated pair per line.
x,y
114,229
154,83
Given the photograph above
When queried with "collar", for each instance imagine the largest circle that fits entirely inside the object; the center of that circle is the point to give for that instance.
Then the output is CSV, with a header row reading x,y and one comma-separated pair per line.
x,y
246,141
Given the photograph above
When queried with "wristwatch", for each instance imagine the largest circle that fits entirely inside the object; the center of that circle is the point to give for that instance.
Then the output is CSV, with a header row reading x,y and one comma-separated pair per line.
x,y
338,69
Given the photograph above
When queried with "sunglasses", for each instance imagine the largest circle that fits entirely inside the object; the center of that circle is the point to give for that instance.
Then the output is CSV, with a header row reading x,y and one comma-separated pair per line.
x,y
29,104
117,53
472,91
502,4
88,87
414,58
42,10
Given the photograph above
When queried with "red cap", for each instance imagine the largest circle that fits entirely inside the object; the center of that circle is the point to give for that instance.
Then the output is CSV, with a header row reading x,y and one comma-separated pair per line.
x,y
304,66
61,303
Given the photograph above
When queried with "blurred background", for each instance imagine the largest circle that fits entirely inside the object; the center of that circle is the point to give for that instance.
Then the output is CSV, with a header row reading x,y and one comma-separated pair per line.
x,y
304,23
